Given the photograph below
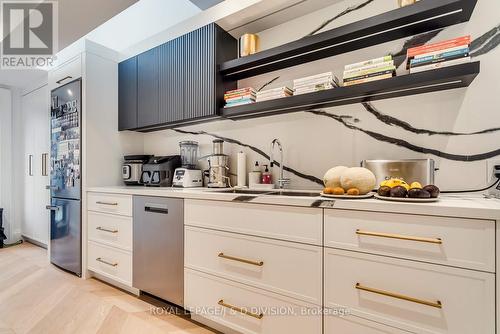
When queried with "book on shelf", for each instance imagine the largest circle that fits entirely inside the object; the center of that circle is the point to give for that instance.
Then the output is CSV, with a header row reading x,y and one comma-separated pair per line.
x,y
326,76
369,67
327,85
274,91
239,98
310,90
443,45
239,103
371,79
313,83
267,98
436,52
368,62
445,56
370,71
239,92
434,66
370,75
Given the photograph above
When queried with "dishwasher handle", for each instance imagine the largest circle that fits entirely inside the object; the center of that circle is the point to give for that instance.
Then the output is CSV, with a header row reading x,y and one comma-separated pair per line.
x,y
152,209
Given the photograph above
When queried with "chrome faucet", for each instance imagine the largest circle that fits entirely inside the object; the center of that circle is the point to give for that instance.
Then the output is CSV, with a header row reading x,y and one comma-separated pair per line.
x,y
281,181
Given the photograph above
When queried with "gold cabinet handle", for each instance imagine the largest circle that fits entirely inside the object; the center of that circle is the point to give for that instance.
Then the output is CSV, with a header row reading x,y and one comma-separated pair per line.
x,y
240,310
106,230
106,262
255,263
436,304
107,203
399,236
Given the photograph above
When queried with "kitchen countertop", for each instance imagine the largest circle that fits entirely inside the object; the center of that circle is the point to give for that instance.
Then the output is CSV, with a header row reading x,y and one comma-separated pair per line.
x,y
462,205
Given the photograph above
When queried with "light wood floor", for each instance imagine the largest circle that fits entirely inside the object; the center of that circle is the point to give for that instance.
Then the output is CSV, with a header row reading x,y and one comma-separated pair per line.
x,y
36,297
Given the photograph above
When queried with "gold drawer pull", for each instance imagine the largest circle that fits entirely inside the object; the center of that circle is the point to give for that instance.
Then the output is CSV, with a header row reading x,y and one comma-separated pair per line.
x,y
401,237
240,310
255,263
436,304
107,203
106,230
106,262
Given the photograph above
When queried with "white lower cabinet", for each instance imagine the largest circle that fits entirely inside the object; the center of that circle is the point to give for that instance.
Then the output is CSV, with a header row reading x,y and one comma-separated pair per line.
x,y
110,262
414,296
286,268
246,309
349,324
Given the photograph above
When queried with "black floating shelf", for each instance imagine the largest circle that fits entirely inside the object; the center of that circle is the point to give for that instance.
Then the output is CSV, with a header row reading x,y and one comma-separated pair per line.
x,y
411,84
426,15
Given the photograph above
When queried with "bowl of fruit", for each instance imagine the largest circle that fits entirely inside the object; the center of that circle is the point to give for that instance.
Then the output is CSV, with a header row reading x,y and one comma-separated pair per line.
x,y
399,190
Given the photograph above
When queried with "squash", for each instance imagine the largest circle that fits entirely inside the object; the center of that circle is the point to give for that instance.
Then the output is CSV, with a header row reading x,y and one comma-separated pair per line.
x,y
360,178
332,176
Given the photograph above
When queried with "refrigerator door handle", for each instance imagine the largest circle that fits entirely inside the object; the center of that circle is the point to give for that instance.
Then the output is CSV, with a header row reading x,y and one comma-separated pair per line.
x,y
30,165
52,208
44,164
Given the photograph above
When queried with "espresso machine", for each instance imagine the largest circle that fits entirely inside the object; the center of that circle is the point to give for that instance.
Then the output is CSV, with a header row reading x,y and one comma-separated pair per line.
x,y
188,175
218,166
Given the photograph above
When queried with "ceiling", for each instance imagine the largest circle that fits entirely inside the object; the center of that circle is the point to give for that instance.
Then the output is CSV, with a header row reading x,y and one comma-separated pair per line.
x,y
79,17
204,4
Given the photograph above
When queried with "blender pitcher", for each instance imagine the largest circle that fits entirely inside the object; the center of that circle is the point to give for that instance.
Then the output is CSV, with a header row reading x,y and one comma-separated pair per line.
x,y
189,154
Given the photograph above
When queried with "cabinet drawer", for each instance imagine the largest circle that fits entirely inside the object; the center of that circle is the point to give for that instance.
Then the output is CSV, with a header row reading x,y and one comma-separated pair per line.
x,y
110,203
110,229
111,262
279,222
465,243
414,296
287,268
212,298
67,72
353,325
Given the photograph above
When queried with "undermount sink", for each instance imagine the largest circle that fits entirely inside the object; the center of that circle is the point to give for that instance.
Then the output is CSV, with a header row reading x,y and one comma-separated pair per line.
x,y
296,193
274,192
243,191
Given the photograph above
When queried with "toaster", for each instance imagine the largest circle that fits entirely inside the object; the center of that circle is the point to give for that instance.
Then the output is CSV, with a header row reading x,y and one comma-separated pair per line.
x,y
159,171
410,170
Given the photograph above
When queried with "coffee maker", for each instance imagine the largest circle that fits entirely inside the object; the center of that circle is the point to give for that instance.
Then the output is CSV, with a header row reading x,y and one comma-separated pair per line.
x,y
188,176
218,166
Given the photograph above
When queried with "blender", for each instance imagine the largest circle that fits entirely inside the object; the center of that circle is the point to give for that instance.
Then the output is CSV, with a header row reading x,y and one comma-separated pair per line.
x,y
188,176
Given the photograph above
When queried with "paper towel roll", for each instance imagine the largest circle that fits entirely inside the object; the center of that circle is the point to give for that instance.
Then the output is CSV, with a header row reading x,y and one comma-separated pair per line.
x,y
242,169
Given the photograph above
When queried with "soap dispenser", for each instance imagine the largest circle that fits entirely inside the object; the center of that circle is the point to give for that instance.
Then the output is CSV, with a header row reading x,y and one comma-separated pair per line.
x,y
255,176
267,177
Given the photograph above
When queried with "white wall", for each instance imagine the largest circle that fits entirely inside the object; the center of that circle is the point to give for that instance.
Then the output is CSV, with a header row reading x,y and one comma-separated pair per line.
x,y
6,200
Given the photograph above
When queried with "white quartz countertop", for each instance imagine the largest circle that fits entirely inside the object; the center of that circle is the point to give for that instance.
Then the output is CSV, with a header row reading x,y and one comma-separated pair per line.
x,y
463,205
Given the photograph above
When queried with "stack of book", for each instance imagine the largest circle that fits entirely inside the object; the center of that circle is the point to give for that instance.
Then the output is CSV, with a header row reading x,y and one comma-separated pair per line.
x,y
275,93
369,70
442,54
239,97
313,83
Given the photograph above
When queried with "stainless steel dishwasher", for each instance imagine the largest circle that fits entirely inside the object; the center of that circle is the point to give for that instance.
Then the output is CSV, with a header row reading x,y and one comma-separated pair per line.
x,y
158,261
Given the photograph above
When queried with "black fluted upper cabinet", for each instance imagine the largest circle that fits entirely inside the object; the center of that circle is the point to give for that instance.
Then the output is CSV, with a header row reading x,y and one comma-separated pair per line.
x,y
148,88
179,83
127,94
172,78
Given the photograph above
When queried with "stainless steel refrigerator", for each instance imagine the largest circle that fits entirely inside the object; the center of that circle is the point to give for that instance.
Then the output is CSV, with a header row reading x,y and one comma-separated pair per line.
x,y
65,178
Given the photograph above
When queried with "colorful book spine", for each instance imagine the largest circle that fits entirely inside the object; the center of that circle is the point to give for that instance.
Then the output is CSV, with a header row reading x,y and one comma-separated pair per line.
x,y
239,103
369,67
441,51
360,81
367,62
371,71
440,57
439,65
370,75
239,98
419,50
